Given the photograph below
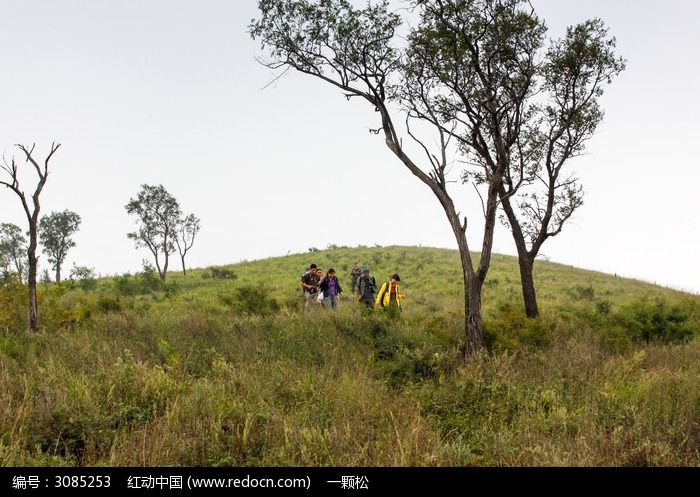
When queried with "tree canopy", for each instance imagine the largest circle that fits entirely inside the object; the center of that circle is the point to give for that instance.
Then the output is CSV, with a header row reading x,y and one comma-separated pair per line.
x,y
158,217
55,232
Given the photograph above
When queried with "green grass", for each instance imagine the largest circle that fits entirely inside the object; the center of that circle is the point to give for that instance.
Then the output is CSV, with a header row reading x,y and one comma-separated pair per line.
x,y
224,368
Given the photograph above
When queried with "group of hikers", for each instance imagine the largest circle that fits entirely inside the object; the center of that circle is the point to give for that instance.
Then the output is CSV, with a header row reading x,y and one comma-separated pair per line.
x,y
325,290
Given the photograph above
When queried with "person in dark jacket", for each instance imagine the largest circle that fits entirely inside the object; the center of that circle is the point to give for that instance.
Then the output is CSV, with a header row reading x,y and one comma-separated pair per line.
x,y
330,286
355,273
309,283
366,286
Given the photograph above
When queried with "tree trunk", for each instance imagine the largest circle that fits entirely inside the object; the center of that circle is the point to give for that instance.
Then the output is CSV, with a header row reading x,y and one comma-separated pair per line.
x,y
526,259
161,272
184,270
31,281
165,269
58,273
529,296
474,325
19,272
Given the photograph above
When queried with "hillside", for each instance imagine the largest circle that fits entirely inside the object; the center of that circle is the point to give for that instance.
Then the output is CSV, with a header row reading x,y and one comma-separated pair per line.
x,y
223,368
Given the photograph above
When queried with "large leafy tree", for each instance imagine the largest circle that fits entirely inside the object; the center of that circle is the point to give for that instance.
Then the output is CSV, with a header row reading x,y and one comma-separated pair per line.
x,y
475,69
32,214
13,249
158,217
572,78
354,50
56,231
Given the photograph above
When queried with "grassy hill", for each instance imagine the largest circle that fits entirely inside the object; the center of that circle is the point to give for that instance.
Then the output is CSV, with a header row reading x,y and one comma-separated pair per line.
x,y
224,368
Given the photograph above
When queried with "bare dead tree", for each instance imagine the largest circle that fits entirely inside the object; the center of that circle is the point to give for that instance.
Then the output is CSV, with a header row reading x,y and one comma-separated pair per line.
x,y
32,214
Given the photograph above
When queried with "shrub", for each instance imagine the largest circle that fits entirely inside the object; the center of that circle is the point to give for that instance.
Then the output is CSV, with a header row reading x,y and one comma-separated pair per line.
x,y
582,292
13,306
254,300
143,283
125,284
414,365
656,321
511,330
603,307
84,276
64,434
149,279
109,304
223,274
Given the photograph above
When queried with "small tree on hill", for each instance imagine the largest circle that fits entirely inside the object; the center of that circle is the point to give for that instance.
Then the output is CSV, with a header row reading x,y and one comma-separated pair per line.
x,y
158,217
13,249
85,276
32,214
187,231
55,232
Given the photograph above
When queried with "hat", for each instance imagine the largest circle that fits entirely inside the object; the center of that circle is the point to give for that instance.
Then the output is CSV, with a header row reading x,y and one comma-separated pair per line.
x,y
396,277
365,271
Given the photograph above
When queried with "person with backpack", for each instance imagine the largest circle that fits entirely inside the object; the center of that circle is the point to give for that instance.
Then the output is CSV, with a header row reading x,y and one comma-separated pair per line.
x,y
389,296
366,286
355,273
309,282
330,286
306,271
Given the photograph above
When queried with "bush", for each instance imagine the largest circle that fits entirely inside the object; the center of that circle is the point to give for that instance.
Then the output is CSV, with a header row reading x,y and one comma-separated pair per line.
x,y
253,300
109,304
582,292
511,330
223,274
125,284
84,276
656,321
150,280
63,434
13,307
140,284
415,365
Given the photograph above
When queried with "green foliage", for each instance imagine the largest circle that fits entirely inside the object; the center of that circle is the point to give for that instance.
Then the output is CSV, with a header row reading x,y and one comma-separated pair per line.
x,y
158,217
220,273
84,276
582,292
13,250
511,330
655,320
143,283
254,300
55,232
109,304
13,297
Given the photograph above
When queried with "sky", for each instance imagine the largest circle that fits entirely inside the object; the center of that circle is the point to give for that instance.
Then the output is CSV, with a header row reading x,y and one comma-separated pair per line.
x,y
169,92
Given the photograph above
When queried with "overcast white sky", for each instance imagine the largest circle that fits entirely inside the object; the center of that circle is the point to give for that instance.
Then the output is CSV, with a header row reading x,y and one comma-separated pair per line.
x,y
169,92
